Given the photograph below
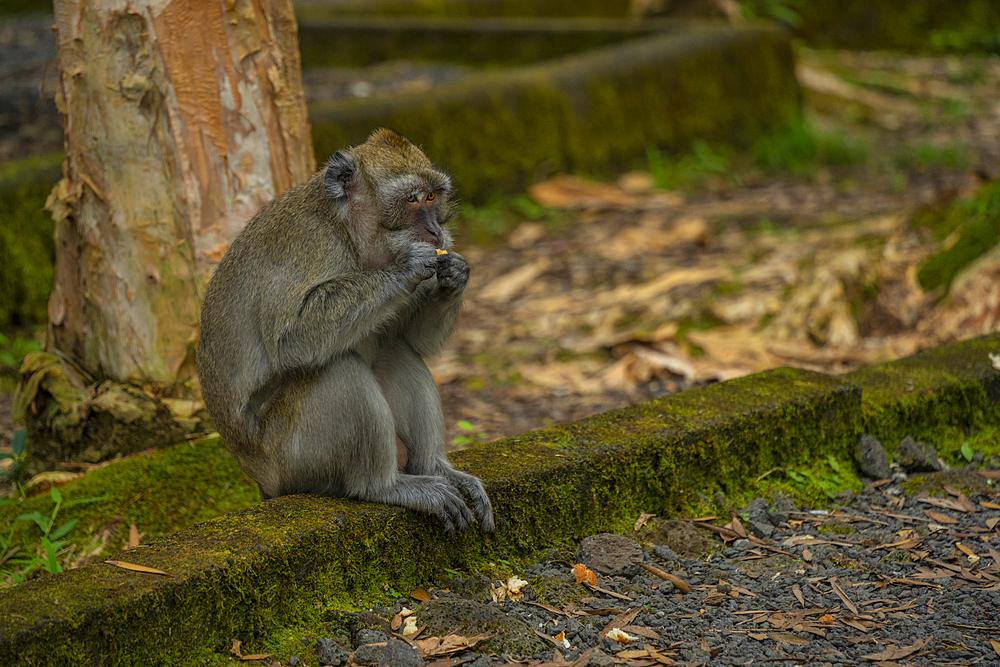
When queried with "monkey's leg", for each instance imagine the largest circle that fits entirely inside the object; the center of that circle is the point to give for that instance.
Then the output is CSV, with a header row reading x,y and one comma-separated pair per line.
x,y
344,444
413,397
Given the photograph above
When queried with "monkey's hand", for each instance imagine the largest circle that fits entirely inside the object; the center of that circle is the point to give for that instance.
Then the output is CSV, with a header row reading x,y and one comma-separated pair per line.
x,y
420,263
452,272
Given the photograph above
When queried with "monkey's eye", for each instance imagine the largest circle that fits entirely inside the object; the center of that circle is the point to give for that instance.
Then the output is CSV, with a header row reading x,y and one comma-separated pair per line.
x,y
431,197
411,198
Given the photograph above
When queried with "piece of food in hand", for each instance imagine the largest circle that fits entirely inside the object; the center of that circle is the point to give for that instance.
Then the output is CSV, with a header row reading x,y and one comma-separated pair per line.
x,y
441,252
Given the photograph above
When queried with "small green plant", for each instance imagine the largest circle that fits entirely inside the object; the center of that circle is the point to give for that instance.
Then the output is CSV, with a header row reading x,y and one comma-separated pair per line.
x,y
779,10
19,444
499,216
802,147
924,156
472,437
807,480
975,222
17,562
966,451
686,171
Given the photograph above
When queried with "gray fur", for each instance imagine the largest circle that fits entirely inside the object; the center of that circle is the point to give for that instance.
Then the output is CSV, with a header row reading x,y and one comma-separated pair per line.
x,y
314,331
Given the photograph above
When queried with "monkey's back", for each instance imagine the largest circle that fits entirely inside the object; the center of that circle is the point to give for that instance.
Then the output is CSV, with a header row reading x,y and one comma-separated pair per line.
x,y
254,295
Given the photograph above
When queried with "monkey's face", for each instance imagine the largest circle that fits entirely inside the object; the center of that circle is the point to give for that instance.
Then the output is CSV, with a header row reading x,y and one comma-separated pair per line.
x,y
419,209
391,195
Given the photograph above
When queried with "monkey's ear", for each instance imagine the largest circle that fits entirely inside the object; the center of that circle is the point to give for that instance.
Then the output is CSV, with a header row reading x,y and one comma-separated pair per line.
x,y
340,174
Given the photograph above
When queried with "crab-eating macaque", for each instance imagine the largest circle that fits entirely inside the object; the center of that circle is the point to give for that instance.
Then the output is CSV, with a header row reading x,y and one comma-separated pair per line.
x,y
314,331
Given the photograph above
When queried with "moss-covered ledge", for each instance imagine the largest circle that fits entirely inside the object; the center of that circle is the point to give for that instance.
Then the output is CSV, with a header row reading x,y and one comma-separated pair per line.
x,y
357,41
940,396
594,113
250,573
283,563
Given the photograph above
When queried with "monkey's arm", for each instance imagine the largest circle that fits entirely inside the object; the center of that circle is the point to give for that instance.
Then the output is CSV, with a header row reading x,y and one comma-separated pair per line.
x,y
333,317
437,305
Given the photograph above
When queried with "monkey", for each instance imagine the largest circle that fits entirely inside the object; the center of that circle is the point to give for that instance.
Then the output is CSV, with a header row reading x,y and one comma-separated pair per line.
x,y
315,327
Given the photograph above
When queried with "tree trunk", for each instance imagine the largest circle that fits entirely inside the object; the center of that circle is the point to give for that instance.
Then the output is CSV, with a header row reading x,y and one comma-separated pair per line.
x,y
182,117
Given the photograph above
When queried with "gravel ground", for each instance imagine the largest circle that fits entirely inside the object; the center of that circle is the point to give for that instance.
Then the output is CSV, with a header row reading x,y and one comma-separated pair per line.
x,y
884,577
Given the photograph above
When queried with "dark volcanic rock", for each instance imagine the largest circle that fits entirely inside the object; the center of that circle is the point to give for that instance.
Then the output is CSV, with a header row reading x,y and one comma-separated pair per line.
x,y
398,654
915,456
870,456
609,554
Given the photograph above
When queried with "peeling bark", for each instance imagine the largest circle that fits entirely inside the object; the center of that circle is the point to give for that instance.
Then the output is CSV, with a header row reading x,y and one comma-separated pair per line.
x,y
182,118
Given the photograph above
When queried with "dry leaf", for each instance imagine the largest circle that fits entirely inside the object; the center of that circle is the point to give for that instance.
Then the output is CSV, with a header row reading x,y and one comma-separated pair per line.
x,y
136,568
679,584
620,621
964,549
894,653
940,518
642,520
498,592
236,650
420,594
736,526
797,592
632,654
843,596
50,478
449,662
133,537
571,192
642,631
605,591
509,285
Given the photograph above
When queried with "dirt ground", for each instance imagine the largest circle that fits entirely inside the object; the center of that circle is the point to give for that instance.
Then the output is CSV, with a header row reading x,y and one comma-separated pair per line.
x,y
615,293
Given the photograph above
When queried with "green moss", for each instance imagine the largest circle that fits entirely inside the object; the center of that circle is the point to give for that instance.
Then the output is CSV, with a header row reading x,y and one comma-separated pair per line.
x,y
489,42
160,492
938,396
27,249
595,114
896,556
979,220
986,440
812,483
276,570
473,8
802,148
280,564
837,528
925,156
939,483
11,7
917,25
557,591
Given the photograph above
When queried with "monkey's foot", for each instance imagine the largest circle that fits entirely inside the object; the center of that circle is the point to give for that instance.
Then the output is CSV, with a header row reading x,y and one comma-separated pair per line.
x,y
472,488
426,493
